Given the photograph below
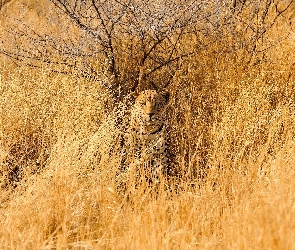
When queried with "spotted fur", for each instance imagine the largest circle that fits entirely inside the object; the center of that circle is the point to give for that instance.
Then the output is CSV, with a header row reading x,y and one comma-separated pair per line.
x,y
147,134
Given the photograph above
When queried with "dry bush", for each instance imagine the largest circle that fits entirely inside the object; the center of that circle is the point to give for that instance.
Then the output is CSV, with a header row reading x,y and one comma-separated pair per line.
x,y
136,43
38,109
231,129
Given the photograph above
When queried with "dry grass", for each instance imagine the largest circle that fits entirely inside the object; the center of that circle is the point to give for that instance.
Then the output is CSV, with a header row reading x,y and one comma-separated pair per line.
x,y
232,131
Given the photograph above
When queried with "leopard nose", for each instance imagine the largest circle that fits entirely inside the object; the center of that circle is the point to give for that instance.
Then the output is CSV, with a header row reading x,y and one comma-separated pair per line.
x,y
150,115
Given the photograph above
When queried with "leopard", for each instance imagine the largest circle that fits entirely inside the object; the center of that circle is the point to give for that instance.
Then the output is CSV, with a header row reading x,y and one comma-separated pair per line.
x,y
147,136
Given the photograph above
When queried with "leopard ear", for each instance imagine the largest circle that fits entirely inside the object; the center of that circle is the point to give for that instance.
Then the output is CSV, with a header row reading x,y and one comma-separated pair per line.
x,y
166,95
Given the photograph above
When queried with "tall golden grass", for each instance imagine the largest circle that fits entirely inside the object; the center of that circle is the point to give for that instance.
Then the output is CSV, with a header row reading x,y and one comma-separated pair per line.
x,y
232,130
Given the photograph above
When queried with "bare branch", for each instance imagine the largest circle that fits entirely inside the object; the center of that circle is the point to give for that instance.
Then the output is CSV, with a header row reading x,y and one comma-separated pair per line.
x,y
142,42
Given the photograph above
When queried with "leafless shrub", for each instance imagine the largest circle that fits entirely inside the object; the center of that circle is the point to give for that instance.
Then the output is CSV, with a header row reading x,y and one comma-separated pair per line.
x,y
137,42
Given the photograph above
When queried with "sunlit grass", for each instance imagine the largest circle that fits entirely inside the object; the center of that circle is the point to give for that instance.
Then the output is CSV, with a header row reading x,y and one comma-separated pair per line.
x,y
232,139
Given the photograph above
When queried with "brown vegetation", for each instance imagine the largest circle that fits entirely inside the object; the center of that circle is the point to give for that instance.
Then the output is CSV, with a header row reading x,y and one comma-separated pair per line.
x,y
231,124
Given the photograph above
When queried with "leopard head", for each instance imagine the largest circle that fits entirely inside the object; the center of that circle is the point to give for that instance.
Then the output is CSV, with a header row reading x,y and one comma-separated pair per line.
x,y
148,111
